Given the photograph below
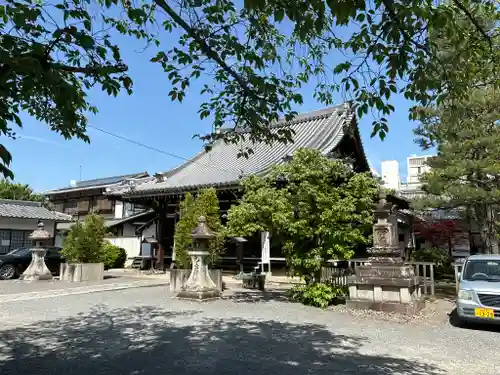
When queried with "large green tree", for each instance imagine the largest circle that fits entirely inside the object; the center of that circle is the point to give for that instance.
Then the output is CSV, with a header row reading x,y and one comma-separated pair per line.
x,y
258,54
22,192
319,207
466,171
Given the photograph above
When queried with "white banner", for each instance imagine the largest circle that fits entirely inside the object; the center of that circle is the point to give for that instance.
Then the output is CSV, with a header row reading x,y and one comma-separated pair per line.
x,y
266,247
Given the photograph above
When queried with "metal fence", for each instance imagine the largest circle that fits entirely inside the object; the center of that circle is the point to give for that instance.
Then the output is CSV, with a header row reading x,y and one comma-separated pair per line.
x,y
337,273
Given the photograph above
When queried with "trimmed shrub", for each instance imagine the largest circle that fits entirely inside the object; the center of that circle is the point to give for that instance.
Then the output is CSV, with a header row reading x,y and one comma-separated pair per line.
x,y
83,244
317,294
113,256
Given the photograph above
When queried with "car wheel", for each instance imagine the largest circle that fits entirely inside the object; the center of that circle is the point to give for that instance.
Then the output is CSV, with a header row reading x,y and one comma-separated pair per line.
x,y
7,272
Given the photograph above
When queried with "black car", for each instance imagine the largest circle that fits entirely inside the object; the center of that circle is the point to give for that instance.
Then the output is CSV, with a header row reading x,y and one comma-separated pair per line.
x,y
13,264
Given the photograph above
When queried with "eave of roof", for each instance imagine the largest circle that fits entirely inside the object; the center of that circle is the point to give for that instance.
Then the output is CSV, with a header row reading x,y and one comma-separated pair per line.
x,y
96,184
29,210
129,218
320,130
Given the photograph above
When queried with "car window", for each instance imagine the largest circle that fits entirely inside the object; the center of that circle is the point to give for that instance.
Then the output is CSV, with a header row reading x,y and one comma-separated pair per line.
x,y
479,269
22,251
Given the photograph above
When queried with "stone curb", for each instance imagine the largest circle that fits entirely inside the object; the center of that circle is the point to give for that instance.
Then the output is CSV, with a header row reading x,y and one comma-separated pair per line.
x,y
15,297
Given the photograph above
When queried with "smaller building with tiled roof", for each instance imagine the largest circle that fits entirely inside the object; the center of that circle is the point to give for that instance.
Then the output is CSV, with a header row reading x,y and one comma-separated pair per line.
x,y
19,218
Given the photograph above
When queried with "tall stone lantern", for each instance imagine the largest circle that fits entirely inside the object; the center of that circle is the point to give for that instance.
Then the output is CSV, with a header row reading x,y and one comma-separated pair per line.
x,y
385,282
37,270
199,286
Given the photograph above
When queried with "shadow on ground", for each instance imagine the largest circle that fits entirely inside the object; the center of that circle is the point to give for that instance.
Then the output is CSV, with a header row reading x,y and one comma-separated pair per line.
x,y
152,341
254,296
446,290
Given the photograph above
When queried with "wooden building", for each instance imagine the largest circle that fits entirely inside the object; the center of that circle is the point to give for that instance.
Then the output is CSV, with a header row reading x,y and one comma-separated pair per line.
x,y
333,131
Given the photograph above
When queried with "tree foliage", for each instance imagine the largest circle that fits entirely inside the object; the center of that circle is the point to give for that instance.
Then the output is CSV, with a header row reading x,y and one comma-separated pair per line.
x,y
259,55
319,207
22,192
441,234
204,204
84,241
466,171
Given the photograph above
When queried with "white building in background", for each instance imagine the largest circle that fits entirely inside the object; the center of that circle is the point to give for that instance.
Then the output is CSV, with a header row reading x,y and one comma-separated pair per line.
x,y
390,174
412,187
417,165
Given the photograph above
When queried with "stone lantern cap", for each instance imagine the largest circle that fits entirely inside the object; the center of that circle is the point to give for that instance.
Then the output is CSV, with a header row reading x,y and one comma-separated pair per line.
x,y
202,231
40,233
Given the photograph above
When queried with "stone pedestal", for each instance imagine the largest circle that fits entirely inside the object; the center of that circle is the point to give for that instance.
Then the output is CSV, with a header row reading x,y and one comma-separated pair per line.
x,y
37,270
199,286
178,278
385,287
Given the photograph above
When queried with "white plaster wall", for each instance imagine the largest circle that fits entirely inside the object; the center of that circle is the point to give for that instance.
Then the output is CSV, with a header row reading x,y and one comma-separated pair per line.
x,y
25,224
118,209
132,246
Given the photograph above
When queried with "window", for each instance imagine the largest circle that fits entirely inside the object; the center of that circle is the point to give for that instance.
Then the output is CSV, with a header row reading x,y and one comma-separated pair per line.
x,y
70,206
482,270
419,170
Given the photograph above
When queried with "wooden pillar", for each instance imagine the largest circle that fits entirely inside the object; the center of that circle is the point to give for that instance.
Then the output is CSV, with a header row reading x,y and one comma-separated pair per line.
x,y
162,223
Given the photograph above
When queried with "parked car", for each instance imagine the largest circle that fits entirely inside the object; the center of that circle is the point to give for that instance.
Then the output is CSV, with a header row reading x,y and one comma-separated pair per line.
x,y
13,264
478,298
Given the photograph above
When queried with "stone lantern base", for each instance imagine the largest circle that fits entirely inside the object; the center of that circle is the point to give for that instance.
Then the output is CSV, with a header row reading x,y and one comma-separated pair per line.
x,y
386,286
37,270
199,286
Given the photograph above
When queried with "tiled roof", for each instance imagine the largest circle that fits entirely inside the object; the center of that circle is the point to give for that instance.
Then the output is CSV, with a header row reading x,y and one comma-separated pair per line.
x,y
321,130
29,210
98,182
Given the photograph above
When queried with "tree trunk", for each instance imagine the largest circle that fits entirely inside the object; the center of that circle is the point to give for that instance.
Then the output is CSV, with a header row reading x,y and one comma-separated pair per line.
x,y
486,217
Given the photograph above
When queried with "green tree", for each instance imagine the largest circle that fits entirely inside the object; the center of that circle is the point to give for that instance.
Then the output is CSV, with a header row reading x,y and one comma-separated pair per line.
x,y
466,171
183,229
319,207
84,241
259,54
22,192
204,204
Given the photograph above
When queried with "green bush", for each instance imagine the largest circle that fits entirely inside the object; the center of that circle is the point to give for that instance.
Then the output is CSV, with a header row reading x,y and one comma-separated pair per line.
x,y
317,294
442,260
83,244
113,256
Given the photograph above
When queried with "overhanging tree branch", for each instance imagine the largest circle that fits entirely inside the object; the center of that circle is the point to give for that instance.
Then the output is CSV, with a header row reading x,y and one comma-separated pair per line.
x,y
474,21
207,50
92,69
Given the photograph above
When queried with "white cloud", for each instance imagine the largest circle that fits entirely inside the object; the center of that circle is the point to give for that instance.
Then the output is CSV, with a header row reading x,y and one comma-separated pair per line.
x,y
38,139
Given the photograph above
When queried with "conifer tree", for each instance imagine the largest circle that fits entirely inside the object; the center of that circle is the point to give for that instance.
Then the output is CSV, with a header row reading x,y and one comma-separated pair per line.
x,y
204,204
466,171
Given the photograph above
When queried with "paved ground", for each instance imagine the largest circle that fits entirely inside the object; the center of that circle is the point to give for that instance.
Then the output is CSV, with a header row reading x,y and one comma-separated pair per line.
x,y
144,331
16,290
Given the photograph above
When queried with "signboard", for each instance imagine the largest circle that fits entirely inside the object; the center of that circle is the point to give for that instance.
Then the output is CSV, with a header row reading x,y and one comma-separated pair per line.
x,y
266,247
5,242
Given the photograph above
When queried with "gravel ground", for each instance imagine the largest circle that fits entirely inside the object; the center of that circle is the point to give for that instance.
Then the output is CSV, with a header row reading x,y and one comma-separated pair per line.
x,y
147,332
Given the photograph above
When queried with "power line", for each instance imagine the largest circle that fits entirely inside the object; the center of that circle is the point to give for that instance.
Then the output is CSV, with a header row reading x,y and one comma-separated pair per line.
x,y
140,144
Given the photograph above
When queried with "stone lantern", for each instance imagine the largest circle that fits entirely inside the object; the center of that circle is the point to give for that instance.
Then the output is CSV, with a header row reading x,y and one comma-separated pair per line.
x,y
199,286
385,282
37,270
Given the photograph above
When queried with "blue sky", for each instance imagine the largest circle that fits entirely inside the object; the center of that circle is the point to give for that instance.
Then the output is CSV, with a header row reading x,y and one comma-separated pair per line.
x,y
45,160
